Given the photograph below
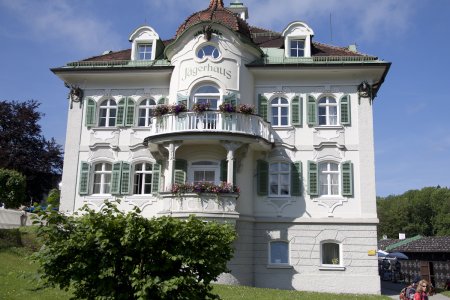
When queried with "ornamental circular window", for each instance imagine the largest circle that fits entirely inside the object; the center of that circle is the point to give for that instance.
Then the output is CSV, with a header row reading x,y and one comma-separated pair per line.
x,y
208,50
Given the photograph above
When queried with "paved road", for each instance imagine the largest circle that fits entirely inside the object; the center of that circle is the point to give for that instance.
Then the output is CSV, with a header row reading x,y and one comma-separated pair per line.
x,y
392,290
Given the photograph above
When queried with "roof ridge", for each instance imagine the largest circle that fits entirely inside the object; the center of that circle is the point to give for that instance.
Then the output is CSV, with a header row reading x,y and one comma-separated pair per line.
x,y
403,242
267,30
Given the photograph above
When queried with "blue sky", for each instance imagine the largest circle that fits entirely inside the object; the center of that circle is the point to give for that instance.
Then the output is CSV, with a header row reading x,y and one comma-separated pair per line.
x,y
411,112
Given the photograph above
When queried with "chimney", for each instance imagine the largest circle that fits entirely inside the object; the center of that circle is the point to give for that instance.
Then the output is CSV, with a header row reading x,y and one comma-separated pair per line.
x,y
239,9
353,48
401,236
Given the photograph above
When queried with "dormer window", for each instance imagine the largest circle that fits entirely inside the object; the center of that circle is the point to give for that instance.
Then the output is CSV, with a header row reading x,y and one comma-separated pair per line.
x,y
144,44
297,40
297,48
144,52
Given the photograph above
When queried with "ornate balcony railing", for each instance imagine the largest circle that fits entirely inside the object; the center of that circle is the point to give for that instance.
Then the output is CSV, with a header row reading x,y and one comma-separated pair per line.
x,y
212,121
315,60
217,206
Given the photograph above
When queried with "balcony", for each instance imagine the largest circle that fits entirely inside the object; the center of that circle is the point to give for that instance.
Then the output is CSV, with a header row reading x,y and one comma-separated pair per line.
x,y
211,122
213,206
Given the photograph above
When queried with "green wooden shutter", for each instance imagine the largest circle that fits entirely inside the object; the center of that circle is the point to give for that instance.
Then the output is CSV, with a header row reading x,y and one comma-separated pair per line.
x,y
162,100
223,170
312,111
155,178
296,178
262,185
347,178
313,179
120,117
115,180
297,111
90,113
125,179
262,107
129,112
180,171
231,98
345,110
84,178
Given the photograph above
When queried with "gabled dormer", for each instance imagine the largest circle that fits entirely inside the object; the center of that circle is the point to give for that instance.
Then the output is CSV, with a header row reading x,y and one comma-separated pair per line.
x,y
146,44
297,40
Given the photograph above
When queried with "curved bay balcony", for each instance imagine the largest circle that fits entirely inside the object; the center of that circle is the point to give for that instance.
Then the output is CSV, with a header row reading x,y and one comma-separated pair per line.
x,y
205,205
170,126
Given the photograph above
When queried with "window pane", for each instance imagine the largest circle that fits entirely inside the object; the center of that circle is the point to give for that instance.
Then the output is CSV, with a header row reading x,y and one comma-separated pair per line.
x,y
279,253
330,254
273,184
274,167
148,167
284,167
334,167
137,183
209,176
108,167
107,183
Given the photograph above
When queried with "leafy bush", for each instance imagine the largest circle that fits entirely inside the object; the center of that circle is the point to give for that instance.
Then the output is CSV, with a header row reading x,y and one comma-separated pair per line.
x,y
53,197
12,188
112,255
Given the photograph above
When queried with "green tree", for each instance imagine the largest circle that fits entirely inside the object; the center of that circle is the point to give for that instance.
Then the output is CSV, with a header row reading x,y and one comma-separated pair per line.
x,y
23,147
425,212
53,197
112,255
12,188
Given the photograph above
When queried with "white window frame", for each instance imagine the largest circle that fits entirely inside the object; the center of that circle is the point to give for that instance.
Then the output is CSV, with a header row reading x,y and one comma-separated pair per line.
x,y
327,106
108,107
148,46
272,261
279,173
329,174
207,96
144,173
148,108
279,107
104,184
196,166
297,49
339,264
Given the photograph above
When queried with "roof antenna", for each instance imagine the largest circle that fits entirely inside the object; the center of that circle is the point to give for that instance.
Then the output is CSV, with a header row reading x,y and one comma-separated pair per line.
x,y
331,29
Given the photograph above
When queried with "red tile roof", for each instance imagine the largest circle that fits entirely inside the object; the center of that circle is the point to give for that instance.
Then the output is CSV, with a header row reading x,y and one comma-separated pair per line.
x,y
216,12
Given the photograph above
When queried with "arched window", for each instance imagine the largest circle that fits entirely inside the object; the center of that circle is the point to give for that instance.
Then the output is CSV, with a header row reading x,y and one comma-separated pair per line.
x,y
329,179
208,50
209,95
279,252
143,178
328,111
331,253
102,178
280,178
107,113
146,108
280,111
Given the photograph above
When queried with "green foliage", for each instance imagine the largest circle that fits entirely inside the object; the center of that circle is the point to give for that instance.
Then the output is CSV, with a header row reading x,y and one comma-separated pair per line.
x,y
53,197
112,255
12,188
425,212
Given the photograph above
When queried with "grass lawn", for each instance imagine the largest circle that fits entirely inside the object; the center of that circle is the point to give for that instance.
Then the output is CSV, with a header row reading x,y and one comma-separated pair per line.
x,y
19,278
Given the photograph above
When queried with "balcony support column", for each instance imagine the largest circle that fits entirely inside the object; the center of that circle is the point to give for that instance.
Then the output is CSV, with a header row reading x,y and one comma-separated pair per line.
x,y
231,148
171,148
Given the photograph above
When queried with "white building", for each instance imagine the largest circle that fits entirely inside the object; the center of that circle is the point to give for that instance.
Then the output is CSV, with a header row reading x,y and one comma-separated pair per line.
x,y
304,162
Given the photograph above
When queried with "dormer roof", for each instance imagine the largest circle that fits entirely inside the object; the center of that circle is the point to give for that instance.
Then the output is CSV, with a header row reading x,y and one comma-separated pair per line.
x,y
217,13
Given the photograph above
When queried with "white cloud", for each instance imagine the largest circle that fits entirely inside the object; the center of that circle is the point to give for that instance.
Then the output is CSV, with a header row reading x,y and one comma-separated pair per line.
x,y
61,22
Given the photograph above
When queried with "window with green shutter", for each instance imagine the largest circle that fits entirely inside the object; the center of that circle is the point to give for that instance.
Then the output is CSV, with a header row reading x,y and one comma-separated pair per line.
x,y
180,171
347,178
231,98
84,178
296,178
90,113
345,110
313,179
297,111
125,178
262,170
115,181
263,107
121,105
129,113
155,178
312,111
